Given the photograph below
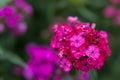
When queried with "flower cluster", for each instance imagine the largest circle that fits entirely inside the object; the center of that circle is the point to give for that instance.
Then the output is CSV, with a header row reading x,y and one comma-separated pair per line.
x,y
12,16
113,11
80,45
42,63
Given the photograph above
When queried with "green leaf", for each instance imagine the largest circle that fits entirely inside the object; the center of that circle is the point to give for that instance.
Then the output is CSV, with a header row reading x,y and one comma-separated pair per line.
x,y
1,78
86,13
11,57
3,2
97,3
93,75
69,78
50,12
7,41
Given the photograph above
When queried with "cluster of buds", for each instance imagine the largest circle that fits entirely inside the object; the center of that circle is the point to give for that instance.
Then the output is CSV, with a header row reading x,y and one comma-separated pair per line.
x,y
12,16
80,45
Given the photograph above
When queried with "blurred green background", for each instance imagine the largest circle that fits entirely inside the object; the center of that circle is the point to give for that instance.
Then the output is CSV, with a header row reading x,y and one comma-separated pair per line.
x,y
12,49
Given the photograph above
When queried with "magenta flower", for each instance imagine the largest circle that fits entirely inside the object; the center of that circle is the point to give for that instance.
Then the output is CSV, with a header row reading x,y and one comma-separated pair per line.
x,y
12,16
57,78
42,63
27,8
77,52
77,40
80,45
103,34
64,63
11,21
93,51
9,10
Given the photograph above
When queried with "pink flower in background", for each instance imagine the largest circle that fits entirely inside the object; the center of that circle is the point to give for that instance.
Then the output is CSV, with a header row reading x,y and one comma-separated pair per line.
x,y
12,16
117,18
11,21
109,11
115,1
27,8
80,45
42,62
112,11
20,29
9,10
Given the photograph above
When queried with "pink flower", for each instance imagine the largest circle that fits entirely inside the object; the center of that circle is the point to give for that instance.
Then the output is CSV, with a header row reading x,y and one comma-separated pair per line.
x,y
93,25
99,64
64,30
27,8
82,64
113,12
103,34
12,15
11,22
65,64
9,10
77,52
54,42
19,29
93,51
80,45
109,11
77,40
72,19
